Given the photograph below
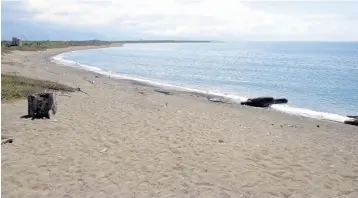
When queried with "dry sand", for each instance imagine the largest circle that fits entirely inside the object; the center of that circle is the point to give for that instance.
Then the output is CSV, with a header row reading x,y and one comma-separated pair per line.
x,y
126,140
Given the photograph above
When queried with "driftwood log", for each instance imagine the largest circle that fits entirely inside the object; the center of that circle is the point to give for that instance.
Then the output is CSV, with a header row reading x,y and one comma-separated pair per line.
x,y
5,139
41,105
353,121
264,101
162,91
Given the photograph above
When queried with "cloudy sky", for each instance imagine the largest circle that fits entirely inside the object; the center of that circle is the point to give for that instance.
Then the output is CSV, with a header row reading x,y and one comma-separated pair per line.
x,y
181,19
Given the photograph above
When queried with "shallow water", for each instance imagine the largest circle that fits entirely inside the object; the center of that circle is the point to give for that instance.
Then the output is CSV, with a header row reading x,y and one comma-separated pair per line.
x,y
319,79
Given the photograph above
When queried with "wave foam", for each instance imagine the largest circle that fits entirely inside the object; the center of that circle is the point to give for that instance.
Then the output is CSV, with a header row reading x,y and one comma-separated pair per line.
x,y
309,113
235,98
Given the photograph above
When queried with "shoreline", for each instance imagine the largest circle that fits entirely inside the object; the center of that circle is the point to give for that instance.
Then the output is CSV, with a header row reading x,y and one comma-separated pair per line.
x,y
125,139
223,97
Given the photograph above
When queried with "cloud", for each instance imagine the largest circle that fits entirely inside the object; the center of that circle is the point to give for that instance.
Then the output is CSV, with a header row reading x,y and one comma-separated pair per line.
x,y
210,18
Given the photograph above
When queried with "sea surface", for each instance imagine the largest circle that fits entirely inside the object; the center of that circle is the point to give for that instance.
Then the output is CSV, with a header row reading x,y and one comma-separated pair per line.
x,y
319,79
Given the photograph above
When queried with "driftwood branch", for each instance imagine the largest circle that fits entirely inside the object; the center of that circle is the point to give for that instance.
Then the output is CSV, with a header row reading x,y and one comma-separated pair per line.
x,y
162,91
68,95
5,139
80,90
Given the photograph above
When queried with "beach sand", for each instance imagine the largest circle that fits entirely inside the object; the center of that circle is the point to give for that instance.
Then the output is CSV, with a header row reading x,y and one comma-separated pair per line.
x,y
126,140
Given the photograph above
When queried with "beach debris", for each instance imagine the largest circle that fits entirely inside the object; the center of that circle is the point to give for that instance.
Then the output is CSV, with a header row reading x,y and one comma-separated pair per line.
x,y
41,105
5,139
215,99
103,150
162,91
280,101
264,101
352,121
90,80
354,117
221,141
80,90
141,92
65,94
317,125
96,76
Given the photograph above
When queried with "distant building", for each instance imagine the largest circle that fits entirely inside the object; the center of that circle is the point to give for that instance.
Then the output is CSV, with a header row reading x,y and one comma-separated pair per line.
x,y
16,42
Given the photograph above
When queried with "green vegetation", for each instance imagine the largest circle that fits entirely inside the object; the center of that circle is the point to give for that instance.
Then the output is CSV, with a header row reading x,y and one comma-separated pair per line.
x,y
43,45
18,87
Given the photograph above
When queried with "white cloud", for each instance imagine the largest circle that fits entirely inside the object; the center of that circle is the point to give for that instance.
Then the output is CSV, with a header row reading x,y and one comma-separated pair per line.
x,y
218,18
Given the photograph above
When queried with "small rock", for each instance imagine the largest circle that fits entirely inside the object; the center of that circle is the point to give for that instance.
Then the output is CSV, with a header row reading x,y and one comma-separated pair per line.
x,y
104,150
221,141
317,126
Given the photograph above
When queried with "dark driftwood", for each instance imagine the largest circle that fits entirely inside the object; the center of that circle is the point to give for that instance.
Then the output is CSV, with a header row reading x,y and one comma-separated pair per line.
x,y
264,101
354,117
40,105
259,102
352,122
162,91
280,101
5,139
80,90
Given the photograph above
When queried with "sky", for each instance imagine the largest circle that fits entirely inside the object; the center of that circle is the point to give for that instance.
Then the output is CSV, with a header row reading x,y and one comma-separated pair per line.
x,y
225,20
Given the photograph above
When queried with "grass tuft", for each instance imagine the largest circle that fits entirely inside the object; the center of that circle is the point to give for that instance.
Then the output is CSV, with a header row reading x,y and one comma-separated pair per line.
x,y
19,87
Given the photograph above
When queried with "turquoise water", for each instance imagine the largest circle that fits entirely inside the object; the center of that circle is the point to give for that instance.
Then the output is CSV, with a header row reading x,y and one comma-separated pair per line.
x,y
320,76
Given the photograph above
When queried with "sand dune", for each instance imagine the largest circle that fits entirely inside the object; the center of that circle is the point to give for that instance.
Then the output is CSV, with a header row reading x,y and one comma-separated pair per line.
x,y
126,140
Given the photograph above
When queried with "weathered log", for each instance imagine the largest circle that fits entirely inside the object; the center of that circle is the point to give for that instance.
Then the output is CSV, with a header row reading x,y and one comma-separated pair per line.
x,y
5,139
264,101
352,122
280,101
354,117
40,105
162,91
259,102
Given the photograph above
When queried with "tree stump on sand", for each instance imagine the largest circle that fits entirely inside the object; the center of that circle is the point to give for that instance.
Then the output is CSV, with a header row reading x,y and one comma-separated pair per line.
x,y
41,105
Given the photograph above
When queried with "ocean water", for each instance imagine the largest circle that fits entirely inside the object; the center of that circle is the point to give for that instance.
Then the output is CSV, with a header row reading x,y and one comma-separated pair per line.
x,y
319,79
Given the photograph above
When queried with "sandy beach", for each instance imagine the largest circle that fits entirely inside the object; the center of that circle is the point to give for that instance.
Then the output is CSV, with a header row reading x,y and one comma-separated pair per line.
x,y
124,139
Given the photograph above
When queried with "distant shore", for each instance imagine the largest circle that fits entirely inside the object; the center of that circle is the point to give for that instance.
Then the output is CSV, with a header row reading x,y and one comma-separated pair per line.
x,y
128,139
